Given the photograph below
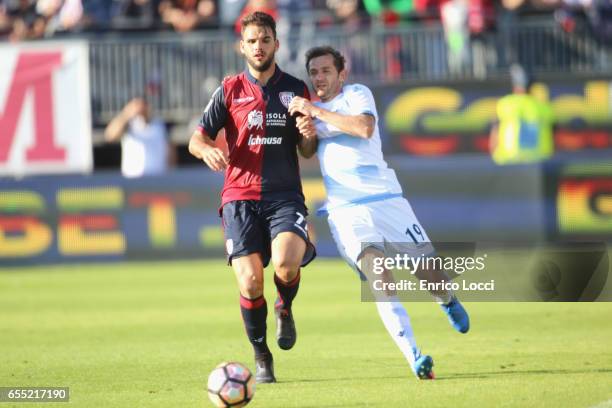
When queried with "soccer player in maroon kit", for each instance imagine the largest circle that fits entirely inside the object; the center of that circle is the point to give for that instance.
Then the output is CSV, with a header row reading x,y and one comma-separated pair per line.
x,y
262,204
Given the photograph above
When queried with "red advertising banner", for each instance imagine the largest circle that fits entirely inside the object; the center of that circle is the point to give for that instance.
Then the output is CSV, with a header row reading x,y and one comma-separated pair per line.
x,y
45,124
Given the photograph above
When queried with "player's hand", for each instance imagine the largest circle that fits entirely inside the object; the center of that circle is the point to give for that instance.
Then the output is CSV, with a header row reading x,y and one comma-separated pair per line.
x,y
214,158
306,126
301,105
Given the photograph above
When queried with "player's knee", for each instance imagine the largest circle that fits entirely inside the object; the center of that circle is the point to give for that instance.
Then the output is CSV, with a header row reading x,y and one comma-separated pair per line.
x,y
285,268
250,286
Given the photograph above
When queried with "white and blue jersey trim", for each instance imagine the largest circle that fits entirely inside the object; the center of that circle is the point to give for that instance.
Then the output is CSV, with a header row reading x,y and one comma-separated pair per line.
x,y
365,200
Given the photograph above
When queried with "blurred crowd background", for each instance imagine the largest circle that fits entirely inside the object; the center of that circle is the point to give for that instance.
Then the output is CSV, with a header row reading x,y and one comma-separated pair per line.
x,y
32,19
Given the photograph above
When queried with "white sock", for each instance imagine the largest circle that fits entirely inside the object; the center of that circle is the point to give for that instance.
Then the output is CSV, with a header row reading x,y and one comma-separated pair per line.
x,y
396,321
444,299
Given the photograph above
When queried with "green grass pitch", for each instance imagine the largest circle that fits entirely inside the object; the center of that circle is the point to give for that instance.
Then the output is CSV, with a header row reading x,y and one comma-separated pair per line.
x,y
148,334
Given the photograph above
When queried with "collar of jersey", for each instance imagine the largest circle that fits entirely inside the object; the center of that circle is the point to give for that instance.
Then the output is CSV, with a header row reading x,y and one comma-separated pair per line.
x,y
334,98
273,79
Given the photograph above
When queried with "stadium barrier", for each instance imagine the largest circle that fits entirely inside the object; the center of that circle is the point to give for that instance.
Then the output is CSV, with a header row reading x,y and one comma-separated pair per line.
x,y
105,217
180,71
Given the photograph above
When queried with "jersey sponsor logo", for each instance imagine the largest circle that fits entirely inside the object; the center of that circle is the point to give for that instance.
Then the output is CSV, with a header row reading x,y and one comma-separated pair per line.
x,y
285,98
243,100
255,119
258,140
276,119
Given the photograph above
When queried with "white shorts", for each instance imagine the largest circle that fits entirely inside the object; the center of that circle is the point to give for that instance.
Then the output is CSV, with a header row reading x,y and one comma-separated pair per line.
x,y
389,225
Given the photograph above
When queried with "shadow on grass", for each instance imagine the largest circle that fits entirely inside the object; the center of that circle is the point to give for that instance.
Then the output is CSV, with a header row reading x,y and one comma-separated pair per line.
x,y
336,379
502,372
457,376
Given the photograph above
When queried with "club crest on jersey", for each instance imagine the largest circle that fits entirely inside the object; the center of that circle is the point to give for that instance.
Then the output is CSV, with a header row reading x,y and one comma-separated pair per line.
x,y
285,98
255,119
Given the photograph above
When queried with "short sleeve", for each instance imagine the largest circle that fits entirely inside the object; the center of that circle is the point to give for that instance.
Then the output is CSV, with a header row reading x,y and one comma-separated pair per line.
x,y
362,101
306,94
215,114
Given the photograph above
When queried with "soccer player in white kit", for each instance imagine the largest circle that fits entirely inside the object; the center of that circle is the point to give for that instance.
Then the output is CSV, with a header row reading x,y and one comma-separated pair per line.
x,y
365,205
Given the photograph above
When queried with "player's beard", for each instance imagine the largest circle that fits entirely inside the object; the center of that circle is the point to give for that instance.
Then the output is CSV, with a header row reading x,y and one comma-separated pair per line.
x,y
264,65
329,91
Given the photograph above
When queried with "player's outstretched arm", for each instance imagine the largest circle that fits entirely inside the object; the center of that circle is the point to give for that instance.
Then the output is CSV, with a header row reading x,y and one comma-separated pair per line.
x,y
361,126
202,147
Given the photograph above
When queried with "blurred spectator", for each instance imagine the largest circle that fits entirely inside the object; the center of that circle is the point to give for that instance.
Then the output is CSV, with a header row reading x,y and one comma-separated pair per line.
x,y
24,21
229,10
428,9
390,12
524,132
347,14
350,16
98,14
454,15
70,14
61,15
506,19
145,146
49,10
5,21
481,16
136,13
598,13
465,22
187,15
295,22
266,6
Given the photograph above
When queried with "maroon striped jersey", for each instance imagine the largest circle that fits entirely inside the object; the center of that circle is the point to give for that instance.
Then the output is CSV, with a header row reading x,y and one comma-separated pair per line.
x,y
261,136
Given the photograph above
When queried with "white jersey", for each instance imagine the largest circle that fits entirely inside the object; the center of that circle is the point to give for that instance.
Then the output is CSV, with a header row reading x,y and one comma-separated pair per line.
x,y
144,148
354,170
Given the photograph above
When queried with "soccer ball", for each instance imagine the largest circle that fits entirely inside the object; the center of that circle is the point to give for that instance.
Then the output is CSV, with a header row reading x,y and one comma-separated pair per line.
x,y
231,385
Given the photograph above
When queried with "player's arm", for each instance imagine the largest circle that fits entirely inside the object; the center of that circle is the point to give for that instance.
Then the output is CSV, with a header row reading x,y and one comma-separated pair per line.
x,y
203,147
201,143
308,142
116,127
361,125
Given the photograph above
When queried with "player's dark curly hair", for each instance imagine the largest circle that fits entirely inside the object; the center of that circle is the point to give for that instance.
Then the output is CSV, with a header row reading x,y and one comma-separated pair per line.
x,y
316,52
260,19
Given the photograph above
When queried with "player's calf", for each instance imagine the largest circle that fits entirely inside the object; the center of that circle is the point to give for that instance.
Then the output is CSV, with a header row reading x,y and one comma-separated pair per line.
x,y
286,334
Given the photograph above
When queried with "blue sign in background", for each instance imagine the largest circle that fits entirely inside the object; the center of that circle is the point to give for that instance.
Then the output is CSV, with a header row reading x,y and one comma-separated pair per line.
x,y
457,199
